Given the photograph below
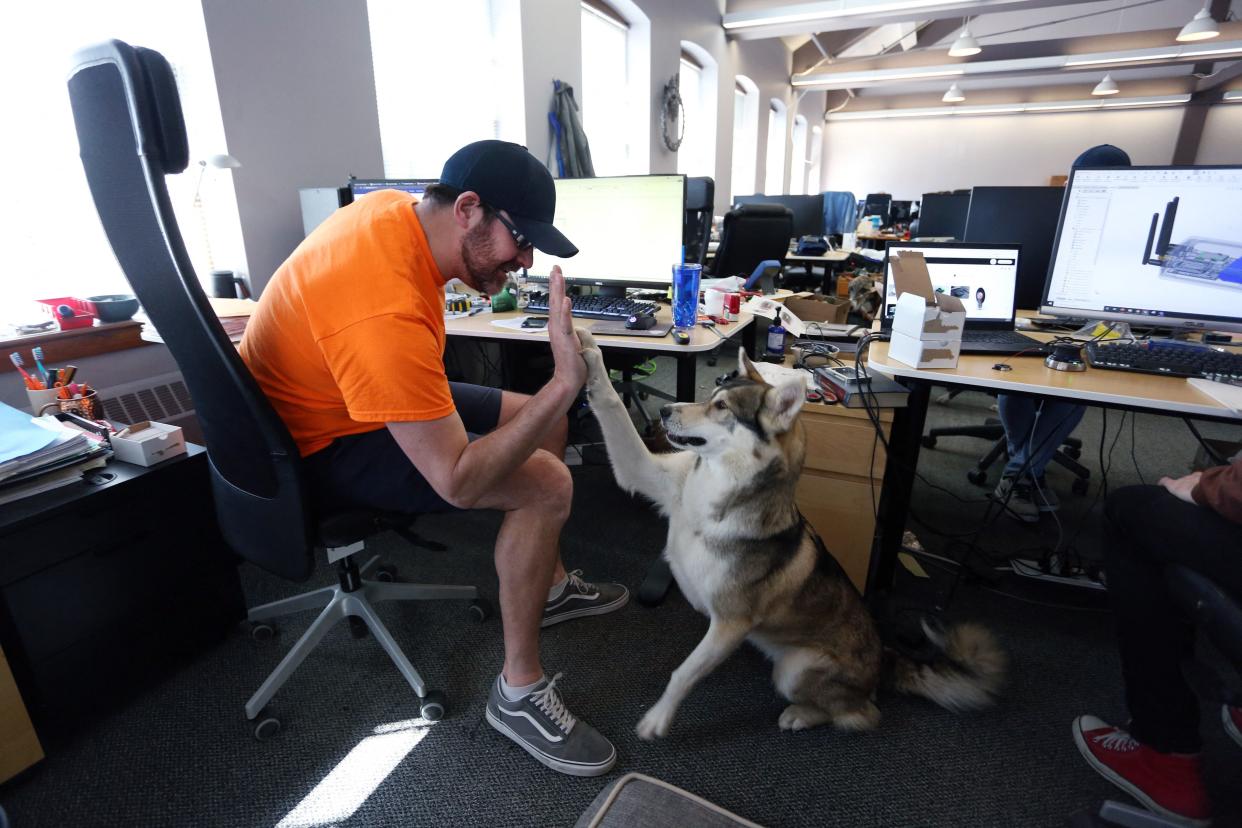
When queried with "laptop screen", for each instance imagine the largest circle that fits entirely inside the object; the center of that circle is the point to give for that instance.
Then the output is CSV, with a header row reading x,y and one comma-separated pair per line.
x,y
984,277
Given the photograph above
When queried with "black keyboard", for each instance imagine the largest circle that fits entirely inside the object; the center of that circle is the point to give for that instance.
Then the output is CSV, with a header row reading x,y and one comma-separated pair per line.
x,y
1170,359
596,307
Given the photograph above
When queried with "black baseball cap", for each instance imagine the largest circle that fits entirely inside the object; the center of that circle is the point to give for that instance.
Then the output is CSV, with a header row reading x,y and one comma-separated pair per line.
x,y
507,177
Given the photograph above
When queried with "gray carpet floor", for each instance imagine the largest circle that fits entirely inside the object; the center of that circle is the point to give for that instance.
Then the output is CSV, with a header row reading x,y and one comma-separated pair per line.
x,y
354,753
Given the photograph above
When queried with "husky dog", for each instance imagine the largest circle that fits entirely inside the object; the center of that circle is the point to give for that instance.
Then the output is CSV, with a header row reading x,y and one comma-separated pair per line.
x,y
744,556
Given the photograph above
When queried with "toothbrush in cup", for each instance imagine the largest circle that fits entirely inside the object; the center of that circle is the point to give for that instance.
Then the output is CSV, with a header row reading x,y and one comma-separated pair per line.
x,y
18,363
37,353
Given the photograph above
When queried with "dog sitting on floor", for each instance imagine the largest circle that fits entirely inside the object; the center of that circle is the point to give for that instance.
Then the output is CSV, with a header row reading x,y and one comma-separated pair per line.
x,y
745,557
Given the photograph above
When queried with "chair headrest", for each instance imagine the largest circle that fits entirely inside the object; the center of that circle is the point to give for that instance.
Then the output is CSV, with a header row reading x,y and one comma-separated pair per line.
x,y
173,150
761,210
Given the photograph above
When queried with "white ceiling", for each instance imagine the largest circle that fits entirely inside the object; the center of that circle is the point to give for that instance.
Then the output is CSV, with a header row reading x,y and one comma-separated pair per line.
x,y
1026,44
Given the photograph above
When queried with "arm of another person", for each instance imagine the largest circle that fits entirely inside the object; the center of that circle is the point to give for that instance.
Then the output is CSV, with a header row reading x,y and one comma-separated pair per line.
x,y
464,472
1218,488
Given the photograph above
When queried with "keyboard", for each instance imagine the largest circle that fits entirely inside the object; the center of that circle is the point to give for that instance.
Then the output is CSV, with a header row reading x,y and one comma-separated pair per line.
x,y
1170,359
596,307
999,338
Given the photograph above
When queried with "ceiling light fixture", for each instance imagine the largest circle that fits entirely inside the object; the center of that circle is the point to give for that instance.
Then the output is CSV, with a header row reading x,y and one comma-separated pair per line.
x,y
954,95
1200,27
965,45
1106,87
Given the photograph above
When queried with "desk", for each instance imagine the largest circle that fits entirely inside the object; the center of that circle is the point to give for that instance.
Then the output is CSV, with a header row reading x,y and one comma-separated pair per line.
x,y
104,583
702,339
1110,389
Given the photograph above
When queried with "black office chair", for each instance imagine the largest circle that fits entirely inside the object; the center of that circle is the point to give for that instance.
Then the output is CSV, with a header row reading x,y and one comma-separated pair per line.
x,y
1066,456
752,233
1218,618
697,231
131,133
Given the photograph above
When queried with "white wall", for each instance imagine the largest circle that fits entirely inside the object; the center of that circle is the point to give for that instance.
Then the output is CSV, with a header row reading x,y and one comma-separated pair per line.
x,y
909,157
297,94
551,50
1222,136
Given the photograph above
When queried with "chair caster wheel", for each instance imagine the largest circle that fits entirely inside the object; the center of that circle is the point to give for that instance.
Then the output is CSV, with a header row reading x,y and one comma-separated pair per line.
x,y
643,395
385,574
929,441
979,478
1079,486
1071,452
266,728
262,632
431,706
358,628
480,610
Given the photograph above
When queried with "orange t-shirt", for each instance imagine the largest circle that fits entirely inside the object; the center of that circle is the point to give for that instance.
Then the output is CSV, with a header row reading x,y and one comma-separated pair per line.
x,y
349,333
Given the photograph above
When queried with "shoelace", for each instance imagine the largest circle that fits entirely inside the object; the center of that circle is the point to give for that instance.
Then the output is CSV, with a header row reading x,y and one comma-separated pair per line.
x,y
549,701
585,587
1117,740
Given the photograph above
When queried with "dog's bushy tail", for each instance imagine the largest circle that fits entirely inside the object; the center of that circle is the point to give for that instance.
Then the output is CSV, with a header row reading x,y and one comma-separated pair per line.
x,y
965,672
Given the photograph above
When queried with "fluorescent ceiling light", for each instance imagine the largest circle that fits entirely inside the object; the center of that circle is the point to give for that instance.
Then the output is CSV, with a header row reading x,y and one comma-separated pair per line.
x,y
1233,97
1198,52
1001,109
875,75
824,11
1200,27
1106,87
954,94
965,45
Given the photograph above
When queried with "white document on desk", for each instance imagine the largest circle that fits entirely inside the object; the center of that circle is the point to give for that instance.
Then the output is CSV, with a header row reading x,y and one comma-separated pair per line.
x,y
1225,393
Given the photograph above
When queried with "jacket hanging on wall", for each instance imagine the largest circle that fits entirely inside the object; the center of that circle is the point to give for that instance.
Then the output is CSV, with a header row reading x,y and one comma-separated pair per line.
x,y
573,153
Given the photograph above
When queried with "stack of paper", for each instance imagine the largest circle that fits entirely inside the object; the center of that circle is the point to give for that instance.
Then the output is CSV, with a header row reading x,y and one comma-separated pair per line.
x,y
1226,393
42,453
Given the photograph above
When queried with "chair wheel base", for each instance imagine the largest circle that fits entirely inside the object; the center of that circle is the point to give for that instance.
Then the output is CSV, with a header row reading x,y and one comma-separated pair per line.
x,y
432,706
267,728
978,477
261,632
480,610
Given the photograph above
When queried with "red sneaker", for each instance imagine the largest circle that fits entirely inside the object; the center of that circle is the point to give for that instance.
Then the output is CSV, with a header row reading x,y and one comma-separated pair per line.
x,y
1231,717
1167,783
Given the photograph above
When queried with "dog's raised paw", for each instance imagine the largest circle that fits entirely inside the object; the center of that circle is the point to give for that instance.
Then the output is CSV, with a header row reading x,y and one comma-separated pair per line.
x,y
594,358
653,725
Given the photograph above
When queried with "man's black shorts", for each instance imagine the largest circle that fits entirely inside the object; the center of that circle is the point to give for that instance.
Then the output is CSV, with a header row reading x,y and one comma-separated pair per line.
x,y
371,471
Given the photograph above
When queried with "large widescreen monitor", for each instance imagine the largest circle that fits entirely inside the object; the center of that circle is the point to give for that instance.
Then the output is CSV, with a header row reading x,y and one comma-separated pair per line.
x,y
1161,246
627,230
1018,215
808,210
943,215
361,186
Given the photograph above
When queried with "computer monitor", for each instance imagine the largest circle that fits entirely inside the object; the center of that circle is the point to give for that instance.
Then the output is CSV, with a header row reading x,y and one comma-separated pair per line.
x,y
878,204
627,230
943,215
808,210
362,186
1021,215
1161,246
982,276
899,212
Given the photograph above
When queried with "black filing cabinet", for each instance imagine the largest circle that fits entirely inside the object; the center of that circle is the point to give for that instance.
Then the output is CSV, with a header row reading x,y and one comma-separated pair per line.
x,y
111,583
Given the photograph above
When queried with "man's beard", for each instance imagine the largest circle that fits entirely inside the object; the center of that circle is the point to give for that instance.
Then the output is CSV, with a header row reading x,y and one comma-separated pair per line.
x,y
485,272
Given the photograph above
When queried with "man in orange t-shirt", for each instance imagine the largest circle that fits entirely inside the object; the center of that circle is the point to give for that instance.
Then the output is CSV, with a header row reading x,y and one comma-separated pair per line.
x,y
348,344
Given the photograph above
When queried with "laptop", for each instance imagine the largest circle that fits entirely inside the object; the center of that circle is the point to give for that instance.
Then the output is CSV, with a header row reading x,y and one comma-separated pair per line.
x,y
985,278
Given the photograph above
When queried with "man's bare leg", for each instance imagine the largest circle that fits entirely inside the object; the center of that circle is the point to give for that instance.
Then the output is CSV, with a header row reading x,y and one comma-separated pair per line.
x,y
510,403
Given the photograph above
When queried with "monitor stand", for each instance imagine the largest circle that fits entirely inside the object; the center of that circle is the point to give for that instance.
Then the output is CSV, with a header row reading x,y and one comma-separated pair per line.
x,y
611,291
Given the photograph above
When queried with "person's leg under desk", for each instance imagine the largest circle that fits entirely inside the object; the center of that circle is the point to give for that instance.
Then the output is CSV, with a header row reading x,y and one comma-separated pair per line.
x,y
1149,529
1056,421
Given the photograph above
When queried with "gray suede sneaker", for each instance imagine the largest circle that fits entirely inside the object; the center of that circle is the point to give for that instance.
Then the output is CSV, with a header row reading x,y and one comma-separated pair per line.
x,y
1043,495
1015,496
544,728
581,598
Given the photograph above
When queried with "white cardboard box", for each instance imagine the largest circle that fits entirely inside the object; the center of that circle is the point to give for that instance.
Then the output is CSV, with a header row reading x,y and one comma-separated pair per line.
x,y
153,444
927,326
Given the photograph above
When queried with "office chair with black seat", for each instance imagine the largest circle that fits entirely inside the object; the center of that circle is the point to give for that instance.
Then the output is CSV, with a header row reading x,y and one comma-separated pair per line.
x,y
131,135
752,233
697,232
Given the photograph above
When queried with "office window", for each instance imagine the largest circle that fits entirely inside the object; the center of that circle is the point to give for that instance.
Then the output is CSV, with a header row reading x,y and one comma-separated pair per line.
x,y
697,155
813,182
797,159
775,182
54,244
609,117
423,119
745,136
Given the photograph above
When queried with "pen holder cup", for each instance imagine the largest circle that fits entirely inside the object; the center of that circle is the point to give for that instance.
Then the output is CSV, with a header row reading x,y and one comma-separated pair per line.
x,y
38,399
88,406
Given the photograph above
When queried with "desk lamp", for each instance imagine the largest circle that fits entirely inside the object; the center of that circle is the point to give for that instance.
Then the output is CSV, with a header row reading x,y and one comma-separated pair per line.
x,y
222,162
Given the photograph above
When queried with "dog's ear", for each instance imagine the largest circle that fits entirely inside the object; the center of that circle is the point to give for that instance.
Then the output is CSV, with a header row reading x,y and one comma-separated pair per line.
x,y
783,402
747,368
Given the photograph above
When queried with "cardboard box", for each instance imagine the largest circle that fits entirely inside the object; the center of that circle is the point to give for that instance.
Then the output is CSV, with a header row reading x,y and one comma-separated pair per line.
x,y
149,444
816,308
927,326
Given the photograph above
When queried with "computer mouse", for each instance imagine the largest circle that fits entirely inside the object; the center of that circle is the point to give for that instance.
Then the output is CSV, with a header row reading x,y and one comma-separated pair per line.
x,y
681,337
1000,366
640,322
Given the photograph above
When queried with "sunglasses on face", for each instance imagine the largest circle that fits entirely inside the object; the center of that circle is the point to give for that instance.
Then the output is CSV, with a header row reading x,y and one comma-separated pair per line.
x,y
522,244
